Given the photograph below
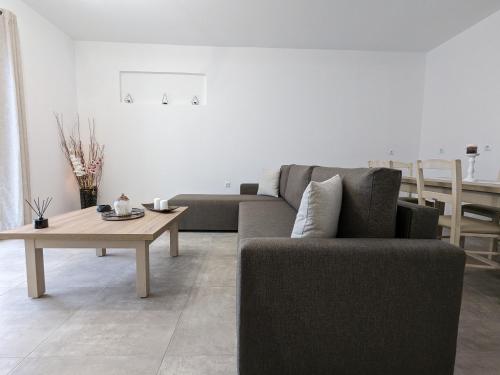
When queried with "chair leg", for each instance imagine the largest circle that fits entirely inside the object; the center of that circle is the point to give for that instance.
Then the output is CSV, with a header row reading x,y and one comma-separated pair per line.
x,y
462,242
440,206
493,247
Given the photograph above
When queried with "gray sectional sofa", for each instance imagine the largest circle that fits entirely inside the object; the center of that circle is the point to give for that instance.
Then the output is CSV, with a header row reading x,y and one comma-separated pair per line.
x,y
382,298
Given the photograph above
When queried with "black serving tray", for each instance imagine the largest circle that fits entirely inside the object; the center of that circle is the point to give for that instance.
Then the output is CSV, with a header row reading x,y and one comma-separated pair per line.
x,y
112,216
150,207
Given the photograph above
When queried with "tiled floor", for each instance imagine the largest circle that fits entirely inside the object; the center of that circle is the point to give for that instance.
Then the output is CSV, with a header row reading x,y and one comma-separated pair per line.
x,y
91,322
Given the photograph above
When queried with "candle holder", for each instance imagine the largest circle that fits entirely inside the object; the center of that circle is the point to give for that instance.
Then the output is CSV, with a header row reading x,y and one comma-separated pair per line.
x,y
471,169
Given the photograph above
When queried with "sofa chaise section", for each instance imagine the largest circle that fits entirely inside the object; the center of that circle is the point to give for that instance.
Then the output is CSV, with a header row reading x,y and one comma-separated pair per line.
x,y
214,212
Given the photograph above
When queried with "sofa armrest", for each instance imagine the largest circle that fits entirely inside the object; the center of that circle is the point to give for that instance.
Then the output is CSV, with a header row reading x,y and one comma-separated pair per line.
x,y
348,306
249,188
414,221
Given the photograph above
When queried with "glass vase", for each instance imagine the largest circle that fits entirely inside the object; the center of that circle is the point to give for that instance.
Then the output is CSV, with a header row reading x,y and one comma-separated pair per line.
x,y
88,197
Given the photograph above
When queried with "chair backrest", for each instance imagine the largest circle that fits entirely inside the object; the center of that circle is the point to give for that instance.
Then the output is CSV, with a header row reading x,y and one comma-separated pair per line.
x,y
454,199
403,166
379,164
394,164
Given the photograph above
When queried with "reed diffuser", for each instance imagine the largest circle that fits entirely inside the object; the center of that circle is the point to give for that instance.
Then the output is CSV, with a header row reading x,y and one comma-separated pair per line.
x,y
39,209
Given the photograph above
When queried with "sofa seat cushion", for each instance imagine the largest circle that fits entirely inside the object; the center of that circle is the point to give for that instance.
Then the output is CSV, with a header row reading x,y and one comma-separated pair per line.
x,y
369,200
265,219
213,212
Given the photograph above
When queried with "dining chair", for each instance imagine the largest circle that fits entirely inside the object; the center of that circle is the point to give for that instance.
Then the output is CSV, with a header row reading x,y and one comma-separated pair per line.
x,y
394,164
460,226
490,212
380,163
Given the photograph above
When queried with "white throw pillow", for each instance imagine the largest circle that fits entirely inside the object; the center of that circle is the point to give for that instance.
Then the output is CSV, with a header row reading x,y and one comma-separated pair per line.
x,y
319,210
269,183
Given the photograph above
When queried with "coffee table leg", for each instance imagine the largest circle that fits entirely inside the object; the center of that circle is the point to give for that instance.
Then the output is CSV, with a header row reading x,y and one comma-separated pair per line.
x,y
142,269
174,239
100,252
34,269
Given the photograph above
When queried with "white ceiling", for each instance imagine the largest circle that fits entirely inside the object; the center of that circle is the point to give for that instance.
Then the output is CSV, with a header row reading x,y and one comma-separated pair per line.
x,y
398,25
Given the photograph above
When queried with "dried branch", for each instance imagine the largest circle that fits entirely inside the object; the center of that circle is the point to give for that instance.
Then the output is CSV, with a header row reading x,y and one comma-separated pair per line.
x,y
87,167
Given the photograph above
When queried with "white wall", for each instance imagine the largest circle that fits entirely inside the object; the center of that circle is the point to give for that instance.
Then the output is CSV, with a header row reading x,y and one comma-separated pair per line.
x,y
49,82
265,107
462,97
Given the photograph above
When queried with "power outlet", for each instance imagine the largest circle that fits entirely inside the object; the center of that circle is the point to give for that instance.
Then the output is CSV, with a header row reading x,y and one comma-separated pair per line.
x,y
227,184
391,152
488,148
441,151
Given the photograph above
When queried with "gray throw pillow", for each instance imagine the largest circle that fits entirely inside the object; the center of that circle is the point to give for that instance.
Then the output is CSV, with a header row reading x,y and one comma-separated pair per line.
x,y
319,210
269,183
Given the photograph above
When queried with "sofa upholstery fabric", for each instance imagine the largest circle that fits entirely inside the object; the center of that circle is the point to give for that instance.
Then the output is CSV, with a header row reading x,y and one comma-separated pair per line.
x,y
284,172
265,219
348,306
249,188
369,200
414,221
213,212
297,181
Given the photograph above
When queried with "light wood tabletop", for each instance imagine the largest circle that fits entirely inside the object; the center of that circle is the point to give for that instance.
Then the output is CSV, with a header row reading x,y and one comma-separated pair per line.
x,y
87,224
86,229
479,192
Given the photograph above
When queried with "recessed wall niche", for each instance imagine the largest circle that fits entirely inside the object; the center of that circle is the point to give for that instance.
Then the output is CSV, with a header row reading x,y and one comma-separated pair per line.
x,y
177,89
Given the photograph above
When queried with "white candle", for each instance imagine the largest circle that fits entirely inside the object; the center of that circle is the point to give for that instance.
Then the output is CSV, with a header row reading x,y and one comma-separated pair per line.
x,y
157,203
163,204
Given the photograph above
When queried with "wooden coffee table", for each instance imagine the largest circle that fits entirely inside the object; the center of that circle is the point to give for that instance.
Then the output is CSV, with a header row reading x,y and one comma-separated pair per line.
x,y
86,229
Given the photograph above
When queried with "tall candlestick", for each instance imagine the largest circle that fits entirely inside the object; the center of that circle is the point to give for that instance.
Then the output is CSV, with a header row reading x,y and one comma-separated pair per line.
x,y
471,169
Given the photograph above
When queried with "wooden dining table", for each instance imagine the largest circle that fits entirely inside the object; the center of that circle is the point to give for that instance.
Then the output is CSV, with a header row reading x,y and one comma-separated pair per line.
x,y
478,192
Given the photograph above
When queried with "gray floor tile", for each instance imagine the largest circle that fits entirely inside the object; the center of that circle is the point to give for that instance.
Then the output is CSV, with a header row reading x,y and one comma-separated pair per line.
x,y
223,244
208,324
91,310
19,340
4,290
477,363
107,339
99,365
57,298
198,365
125,317
161,298
218,271
12,268
8,364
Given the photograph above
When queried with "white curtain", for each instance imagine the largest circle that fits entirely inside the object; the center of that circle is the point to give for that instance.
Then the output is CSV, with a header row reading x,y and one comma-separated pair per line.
x,y
14,169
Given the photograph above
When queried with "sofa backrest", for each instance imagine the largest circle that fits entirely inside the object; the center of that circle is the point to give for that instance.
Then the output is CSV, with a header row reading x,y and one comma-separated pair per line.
x,y
284,171
297,178
369,200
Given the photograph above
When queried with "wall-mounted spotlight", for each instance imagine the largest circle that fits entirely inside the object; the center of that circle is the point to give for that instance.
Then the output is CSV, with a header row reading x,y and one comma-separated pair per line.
x,y
164,100
195,101
128,99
